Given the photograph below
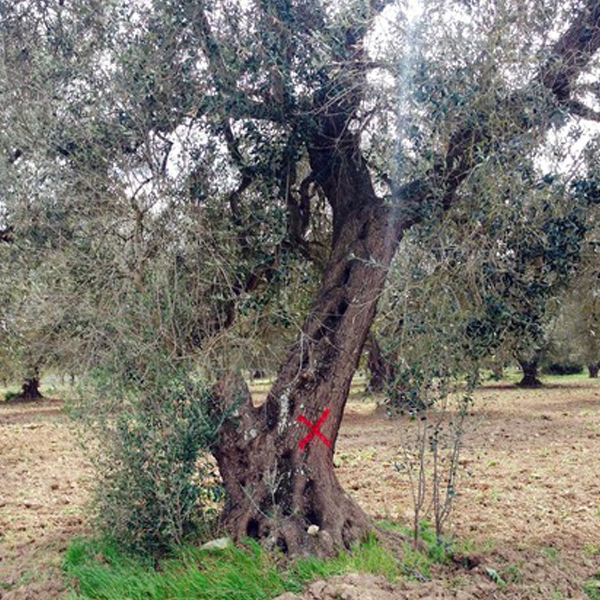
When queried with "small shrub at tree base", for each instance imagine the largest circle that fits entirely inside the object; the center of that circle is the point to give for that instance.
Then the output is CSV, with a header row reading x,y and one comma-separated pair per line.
x,y
11,396
155,481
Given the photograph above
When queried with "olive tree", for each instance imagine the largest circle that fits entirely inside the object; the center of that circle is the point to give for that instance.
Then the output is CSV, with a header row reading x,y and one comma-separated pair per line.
x,y
234,141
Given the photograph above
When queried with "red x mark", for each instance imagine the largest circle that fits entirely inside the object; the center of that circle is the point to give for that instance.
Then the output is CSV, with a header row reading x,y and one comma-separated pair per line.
x,y
315,430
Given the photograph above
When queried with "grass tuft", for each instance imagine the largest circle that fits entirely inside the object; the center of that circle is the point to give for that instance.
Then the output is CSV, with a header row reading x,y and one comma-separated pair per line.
x,y
101,571
592,588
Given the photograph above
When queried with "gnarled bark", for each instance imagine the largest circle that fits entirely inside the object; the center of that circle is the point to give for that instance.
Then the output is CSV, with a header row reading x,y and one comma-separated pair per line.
x,y
275,488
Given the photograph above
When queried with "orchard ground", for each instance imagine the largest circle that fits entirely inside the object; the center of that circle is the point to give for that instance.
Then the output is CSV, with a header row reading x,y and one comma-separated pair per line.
x,y
527,511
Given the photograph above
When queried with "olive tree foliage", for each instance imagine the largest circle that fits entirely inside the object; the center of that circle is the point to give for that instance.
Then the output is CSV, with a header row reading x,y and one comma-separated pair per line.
x,y
145,258
206,174
575,332
136,181
36,324
465,293
482,283
486,288
8,367
579,319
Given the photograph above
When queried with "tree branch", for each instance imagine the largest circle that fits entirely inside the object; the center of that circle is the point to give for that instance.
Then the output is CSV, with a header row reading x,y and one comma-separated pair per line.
x,y
579,109
568,58
572,52
234,102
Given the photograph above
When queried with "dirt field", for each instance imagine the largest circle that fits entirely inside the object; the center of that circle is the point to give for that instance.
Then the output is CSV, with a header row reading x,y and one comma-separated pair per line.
x,y
529,496
528,501
43,478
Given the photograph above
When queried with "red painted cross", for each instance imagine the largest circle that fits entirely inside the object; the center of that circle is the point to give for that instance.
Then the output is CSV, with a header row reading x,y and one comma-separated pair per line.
x,y
315,430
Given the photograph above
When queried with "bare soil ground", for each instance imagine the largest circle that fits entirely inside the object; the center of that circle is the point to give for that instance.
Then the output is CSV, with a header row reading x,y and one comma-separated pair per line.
x,y
43,482
528,498
528,505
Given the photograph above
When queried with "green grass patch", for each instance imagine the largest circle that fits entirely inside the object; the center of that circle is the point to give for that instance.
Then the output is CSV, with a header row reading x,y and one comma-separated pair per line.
x,y
552,553
592,549
592,588
416,564
102,571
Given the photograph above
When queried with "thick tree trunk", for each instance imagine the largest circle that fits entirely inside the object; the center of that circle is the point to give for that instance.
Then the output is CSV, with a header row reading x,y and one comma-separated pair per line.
x,y
593,369
277,486
31,389
530,369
